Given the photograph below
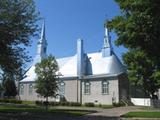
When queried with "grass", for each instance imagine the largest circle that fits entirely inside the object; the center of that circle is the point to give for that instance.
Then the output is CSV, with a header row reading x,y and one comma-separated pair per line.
x,y
33,109
106,106
144,114
28,102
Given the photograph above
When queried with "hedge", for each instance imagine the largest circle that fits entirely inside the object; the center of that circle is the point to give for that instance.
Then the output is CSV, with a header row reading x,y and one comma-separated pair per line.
x,y
10,101
89,104
51,103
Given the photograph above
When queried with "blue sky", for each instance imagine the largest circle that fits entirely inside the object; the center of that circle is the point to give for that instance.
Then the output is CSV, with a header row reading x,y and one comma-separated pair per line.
x,y
68,20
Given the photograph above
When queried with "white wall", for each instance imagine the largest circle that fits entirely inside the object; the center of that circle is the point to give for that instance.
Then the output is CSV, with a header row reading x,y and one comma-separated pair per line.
x,y
96,95
141,101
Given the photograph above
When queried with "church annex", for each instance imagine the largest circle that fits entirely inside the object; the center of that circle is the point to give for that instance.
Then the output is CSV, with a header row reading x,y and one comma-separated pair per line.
x,y
84,77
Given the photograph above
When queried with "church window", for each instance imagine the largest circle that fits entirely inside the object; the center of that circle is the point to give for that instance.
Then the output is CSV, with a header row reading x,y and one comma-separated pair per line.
x,y
87,88
62,88
105,87
30,89
21,89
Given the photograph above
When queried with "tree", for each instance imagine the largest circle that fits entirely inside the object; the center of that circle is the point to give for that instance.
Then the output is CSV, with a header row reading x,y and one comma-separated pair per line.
x,y
138,30
9,87
1,89
141,71
46,84
17,26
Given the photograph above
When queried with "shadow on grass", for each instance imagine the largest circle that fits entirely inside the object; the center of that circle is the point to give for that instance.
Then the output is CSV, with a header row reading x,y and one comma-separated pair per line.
x,y
25,112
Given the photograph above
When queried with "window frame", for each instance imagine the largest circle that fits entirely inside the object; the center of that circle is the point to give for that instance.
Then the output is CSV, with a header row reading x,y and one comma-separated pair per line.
x,y
105,87
87,88
21,90
62,88
30,89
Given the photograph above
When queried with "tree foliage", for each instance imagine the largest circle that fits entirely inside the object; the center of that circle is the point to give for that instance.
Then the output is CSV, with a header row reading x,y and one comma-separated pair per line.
x,y
17,26
138,30
46,84
9,87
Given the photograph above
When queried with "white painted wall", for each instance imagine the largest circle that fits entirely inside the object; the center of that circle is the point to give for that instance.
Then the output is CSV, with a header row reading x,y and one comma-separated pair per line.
x,y
141,101
96,95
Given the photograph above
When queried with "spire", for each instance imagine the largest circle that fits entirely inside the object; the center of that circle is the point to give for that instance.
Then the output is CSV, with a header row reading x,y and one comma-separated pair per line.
x,y
43,31
107,48
106,39
41,46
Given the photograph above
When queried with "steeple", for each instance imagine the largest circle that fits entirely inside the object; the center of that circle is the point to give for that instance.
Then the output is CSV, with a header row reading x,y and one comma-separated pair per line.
x,y
41,45
106,43
107,48
43,31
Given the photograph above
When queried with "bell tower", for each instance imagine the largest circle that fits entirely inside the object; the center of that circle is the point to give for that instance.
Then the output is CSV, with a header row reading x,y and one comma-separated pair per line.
x,y
107,48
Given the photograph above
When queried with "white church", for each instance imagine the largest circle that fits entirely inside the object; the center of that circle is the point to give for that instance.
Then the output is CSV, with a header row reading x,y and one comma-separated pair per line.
x,y
97,77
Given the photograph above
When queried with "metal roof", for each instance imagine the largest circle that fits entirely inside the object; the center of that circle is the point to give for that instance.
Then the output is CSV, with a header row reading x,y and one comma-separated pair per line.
x,y
98,66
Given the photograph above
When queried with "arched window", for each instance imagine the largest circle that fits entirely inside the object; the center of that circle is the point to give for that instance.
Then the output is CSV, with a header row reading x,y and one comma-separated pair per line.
x,y
62,88
30,90
105,87
21,90
87,87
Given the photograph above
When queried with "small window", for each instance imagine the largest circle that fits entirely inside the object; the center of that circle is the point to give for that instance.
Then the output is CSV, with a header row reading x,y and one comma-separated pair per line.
x,y
21,89
30,89
87,88
105,87
62,88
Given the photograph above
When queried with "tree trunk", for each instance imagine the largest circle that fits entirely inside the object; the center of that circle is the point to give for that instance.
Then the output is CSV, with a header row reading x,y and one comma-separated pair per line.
x,y
46,104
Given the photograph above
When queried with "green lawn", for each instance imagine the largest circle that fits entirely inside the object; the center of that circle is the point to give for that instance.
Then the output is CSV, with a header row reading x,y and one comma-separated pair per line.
x,y
34,109
106,106
145,114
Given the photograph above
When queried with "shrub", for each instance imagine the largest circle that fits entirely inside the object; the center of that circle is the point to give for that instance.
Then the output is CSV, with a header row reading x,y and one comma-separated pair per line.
x,y
45,103
100,105
4,100
75,104
39,103
119,104
14,101
11,101
89,104
65,103
54,103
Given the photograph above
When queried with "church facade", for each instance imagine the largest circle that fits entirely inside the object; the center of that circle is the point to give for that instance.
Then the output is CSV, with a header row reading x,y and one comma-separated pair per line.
x,y
96,77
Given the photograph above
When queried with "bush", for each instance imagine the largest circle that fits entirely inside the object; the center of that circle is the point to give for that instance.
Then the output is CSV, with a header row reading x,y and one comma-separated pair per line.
x,y
14,101
4,100
11,101
54,103
45,103
100,105
39,103
89,104
75,104
119,104
65,103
